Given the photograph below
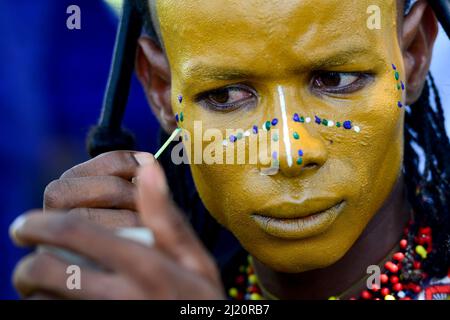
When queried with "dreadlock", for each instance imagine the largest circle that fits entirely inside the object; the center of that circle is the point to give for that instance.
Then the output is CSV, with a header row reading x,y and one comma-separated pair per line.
x,y
428,189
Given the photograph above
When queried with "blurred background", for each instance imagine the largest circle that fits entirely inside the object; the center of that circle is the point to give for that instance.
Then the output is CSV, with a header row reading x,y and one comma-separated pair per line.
x,y
51,89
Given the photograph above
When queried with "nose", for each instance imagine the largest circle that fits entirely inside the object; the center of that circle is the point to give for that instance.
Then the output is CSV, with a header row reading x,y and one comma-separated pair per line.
x,y
301,148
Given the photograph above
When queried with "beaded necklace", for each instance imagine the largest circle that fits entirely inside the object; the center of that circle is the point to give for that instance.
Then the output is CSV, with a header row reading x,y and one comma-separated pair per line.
x,y
402,277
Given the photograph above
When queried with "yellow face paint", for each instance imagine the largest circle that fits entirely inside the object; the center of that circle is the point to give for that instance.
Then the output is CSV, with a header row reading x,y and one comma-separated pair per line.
x,y
280,58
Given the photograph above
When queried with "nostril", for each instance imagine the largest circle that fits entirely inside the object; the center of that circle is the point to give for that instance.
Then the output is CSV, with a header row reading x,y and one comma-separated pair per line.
x,y
310,166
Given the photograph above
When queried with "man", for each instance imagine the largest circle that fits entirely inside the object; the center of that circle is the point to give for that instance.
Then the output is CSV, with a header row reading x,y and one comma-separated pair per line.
x,y
339,201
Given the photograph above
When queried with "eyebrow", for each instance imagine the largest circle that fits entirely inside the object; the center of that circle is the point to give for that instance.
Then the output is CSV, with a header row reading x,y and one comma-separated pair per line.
x,y
217,72
212,72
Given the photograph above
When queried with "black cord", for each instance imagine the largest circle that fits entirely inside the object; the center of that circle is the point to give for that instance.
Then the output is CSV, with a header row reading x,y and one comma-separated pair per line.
x,y
441,9
108,134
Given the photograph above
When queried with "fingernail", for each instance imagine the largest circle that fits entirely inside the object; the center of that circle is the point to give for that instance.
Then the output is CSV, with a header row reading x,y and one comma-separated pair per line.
x,y
16,226
144,158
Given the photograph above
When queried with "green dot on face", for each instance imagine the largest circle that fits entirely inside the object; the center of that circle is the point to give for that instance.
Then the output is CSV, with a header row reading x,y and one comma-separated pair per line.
x,y
239,135
296,136
181,116
338,124
299,161
397,76
267,125
325,122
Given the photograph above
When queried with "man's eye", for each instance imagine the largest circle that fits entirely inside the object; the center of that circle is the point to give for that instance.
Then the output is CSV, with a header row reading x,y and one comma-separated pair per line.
x,y
228,98
339,82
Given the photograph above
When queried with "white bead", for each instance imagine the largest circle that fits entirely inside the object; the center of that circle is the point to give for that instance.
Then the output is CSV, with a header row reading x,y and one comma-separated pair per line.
x,y
401,294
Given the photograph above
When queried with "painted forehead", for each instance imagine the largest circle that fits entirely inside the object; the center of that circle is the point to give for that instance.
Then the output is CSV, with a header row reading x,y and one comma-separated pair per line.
x,y
206,28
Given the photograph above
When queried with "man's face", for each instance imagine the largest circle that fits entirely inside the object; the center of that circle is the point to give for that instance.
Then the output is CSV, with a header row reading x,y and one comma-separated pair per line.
x,y
241,63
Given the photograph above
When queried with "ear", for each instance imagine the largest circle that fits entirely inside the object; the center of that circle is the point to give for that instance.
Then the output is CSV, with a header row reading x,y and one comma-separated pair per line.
x,y
153,71
418,34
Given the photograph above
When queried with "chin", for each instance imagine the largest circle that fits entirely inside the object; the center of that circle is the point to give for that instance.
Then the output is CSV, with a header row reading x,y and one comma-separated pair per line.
x,y
298,256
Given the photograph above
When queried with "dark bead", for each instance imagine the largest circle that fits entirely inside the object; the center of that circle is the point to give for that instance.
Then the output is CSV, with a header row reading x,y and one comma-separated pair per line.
x,y
318,120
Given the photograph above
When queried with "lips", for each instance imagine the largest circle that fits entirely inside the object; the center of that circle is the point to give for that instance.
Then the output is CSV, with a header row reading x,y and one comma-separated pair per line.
x,y
296,221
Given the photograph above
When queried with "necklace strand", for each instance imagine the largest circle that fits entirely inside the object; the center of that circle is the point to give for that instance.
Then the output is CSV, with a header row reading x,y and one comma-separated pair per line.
x,y
402,275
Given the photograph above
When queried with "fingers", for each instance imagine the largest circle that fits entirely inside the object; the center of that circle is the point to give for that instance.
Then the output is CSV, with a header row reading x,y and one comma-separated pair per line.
x,y
116,163
92,192
107,218
82,237
44,276
172,232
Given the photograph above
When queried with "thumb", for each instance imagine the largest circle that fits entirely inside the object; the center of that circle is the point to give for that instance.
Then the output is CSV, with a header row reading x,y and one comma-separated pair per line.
x,y
173,233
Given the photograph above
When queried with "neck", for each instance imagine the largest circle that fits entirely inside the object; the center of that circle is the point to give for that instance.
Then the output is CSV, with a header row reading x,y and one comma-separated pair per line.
x,y
380,237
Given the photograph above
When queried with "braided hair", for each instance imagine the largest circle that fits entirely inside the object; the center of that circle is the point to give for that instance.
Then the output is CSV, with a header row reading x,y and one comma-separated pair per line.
x,y
428,189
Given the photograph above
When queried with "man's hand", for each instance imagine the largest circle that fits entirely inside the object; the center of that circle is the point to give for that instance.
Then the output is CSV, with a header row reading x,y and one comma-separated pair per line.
x,y
100,189
176,267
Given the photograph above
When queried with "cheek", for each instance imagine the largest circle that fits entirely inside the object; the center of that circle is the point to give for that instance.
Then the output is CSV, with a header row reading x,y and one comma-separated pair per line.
x,y
225,190
375,156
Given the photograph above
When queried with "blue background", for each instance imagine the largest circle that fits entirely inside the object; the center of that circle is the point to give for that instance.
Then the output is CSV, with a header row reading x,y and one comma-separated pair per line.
x,y
51,89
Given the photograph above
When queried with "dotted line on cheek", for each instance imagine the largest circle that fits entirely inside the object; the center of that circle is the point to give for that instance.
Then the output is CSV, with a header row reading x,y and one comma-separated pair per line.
x,y
347,124
400,85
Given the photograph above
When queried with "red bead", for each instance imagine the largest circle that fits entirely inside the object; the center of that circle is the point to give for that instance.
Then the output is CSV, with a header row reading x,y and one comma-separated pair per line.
x,y
352,298
420,240
377,299
397,287
240,296
384,278
417,264
384,291
416,288
426,231
392,267
375,288
406,298
254,289
366,295
240,279
403,244
398,256
394,279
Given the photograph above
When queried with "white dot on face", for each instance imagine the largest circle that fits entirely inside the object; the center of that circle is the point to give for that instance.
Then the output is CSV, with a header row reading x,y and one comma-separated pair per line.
x,y
247,133
225,142
308,120
330,123
356,128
